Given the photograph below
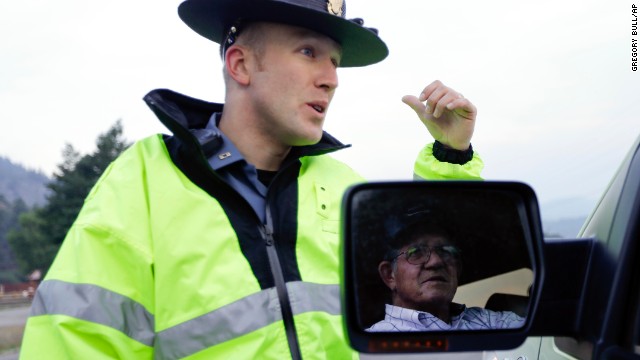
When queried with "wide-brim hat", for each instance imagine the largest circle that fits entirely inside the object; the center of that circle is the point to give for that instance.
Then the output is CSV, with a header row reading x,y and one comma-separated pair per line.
x,y
360,45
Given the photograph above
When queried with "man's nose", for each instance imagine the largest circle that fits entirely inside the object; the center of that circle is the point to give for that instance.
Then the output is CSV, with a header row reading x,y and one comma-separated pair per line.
x,y
434,261
328,76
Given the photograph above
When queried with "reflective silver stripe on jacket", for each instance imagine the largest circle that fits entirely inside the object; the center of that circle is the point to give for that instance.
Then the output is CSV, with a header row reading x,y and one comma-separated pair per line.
x,y
95,304
99,305
307,297
242,317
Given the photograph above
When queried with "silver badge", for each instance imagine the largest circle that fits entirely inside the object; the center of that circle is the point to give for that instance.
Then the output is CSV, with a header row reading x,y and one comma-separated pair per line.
x,y
224,155
335,7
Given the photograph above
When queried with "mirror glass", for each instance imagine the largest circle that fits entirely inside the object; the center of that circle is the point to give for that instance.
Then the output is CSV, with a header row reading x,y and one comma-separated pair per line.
x,y
433,259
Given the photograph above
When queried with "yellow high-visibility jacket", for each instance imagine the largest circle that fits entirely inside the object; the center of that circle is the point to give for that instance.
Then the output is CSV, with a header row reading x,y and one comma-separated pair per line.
x,y
166,260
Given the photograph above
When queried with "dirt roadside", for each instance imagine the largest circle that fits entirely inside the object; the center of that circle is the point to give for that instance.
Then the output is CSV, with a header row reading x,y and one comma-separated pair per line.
x,y
12,322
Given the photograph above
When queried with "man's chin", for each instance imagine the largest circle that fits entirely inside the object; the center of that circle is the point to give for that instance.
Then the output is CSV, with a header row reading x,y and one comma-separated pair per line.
x,y
306,141
436,284
437,294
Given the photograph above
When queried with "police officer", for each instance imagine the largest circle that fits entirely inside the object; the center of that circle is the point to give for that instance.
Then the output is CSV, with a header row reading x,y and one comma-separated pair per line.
x,y
221,241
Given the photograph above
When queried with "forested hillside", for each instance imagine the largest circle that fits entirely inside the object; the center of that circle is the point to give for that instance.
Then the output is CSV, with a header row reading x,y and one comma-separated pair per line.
x,y
20,189
36,212
17,182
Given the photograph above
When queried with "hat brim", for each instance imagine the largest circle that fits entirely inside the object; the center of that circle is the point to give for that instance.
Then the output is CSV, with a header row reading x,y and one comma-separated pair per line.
x,y
212,18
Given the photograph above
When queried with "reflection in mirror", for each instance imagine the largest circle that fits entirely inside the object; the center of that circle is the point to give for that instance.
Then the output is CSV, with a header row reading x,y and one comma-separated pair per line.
x,y
439,259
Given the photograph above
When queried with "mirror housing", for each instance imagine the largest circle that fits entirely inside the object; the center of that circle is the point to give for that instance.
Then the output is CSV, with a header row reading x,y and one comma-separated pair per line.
x,y
499,228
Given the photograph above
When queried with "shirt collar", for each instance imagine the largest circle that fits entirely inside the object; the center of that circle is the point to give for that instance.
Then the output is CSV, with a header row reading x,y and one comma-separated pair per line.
x,y
180,113
227,153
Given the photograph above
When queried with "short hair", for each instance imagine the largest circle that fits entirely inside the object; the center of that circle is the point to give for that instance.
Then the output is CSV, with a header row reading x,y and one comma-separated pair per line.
x,y
249,34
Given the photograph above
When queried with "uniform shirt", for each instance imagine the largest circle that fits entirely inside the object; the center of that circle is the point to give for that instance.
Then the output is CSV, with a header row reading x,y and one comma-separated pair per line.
x,y
400,319
236,171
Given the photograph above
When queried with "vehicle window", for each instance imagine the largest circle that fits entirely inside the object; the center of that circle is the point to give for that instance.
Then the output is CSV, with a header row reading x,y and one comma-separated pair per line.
x,y
599,223
478,293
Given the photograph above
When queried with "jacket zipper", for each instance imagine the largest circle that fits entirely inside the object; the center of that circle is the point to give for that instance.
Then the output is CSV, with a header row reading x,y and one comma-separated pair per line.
x,y
281,288
267,231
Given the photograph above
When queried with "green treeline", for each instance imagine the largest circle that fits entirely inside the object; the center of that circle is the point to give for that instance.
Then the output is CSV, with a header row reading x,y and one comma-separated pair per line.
x,y
34,234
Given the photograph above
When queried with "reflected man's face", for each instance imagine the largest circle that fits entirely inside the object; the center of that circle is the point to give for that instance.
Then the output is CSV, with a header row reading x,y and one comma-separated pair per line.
x,y
429,286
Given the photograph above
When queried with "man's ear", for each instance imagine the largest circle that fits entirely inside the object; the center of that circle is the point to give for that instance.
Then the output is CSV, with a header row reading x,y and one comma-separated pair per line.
x,y
236,63
385,269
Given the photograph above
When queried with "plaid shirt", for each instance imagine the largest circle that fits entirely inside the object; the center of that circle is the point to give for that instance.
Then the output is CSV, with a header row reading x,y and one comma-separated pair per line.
x,y
474,318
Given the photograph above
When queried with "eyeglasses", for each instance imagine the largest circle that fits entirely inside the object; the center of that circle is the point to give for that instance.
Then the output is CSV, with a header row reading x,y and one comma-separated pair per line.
x,y
420,254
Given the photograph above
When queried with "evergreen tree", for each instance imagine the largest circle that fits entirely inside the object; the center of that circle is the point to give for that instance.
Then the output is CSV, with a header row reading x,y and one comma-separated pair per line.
x,y
42,230
9,214
30,242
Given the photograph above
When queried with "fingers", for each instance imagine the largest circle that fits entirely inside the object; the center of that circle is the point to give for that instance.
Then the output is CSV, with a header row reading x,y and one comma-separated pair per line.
x,y
440,98
414,103
449,116
469,110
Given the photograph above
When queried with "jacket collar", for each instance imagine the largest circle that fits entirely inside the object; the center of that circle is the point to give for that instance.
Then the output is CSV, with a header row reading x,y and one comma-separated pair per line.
x,y
181,113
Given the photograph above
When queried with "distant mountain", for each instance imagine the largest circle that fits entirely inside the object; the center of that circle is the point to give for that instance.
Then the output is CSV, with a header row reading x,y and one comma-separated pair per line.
x,y
18,182
567,208
563,228
564,217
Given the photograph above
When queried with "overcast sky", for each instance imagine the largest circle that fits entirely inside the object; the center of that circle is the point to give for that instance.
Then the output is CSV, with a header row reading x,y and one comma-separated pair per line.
x,y
558,103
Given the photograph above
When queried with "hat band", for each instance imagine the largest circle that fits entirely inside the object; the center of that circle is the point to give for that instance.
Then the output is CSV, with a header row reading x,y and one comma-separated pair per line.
x,y
332,7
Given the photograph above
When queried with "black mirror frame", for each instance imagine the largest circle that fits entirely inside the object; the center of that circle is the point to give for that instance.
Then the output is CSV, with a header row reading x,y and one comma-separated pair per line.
x,y
370,342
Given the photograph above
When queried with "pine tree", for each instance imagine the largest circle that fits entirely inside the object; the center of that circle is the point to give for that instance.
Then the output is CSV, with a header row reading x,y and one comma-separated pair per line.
x,y
42,230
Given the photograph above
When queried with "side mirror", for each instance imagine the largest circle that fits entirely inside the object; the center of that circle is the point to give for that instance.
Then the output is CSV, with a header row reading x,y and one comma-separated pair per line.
x,y
415,252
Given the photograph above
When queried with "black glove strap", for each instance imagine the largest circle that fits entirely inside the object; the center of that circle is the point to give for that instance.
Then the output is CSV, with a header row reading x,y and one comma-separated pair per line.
x,y
452,156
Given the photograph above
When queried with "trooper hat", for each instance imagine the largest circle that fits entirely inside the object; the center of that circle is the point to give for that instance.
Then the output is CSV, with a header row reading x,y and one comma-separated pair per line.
x,y
217,20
